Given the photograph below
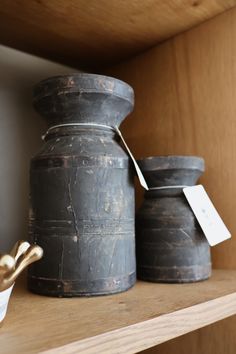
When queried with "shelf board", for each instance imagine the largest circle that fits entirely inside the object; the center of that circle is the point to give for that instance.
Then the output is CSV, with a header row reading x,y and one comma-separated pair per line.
x,y
147,315
98,33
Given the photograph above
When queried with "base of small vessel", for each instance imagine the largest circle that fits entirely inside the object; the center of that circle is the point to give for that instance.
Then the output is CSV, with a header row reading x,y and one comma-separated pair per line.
x,y
172,275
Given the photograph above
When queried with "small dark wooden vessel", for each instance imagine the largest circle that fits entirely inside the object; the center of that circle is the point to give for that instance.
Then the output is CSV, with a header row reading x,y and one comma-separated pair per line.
x,y
171,246
81,189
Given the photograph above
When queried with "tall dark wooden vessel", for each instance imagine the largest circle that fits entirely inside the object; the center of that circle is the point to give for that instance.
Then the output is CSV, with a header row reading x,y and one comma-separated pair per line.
x,y
171,246
81,189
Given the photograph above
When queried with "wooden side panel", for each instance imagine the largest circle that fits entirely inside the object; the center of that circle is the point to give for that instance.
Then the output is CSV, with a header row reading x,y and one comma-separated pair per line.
x,y
186,104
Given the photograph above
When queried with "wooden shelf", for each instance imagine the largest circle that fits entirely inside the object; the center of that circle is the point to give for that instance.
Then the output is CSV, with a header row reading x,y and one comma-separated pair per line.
x,y
147,315
97,33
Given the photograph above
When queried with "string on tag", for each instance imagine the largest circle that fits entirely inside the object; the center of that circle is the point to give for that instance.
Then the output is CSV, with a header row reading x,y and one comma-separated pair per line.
x,y
76,124
168,187
116,130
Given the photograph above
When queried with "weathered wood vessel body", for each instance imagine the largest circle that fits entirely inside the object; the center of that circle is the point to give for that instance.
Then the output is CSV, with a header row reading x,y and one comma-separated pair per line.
x,y
81,189
171,246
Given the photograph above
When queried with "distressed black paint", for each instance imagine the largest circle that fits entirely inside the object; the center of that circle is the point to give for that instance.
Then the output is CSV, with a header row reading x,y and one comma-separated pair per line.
x,y
171,247
82,192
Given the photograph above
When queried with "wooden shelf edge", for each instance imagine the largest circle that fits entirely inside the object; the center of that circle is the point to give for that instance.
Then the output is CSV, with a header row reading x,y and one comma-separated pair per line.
x,y
144,335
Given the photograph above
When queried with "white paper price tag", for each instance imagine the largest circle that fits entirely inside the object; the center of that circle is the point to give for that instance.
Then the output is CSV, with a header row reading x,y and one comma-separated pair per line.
x,y
206,214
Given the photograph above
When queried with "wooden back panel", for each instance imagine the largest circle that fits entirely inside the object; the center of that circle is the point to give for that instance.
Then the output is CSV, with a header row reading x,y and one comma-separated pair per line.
x,y
186,104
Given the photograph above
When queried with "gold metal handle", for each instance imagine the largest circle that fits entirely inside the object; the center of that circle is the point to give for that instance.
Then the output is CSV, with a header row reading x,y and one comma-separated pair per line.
x,y
19,248
7,263
20,257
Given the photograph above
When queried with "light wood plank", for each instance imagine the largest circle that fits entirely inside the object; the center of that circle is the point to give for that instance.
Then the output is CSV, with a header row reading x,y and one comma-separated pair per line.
x,y
218,338
94,33
146,315
147,334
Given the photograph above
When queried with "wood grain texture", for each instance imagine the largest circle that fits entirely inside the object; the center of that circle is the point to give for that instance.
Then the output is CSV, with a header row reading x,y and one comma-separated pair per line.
x,y
96,33
218,338
131,339
186,104
140,318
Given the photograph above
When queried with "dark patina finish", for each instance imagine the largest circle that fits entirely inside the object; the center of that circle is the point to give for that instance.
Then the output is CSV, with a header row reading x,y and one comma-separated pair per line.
x,y
171,246
81,189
